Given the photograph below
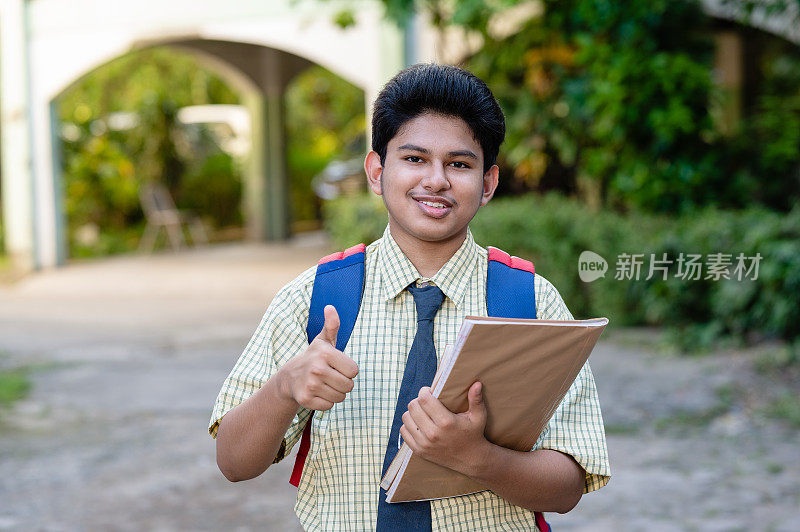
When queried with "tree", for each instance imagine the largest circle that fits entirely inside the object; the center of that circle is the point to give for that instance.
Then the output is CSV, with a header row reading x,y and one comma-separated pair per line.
x,y
614,101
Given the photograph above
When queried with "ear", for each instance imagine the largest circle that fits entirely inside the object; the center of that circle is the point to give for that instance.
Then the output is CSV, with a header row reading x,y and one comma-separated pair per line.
x,y
374,171
490,179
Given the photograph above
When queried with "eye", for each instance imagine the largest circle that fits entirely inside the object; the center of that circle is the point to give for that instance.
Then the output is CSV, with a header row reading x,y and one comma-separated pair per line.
x,y
413,158
460,164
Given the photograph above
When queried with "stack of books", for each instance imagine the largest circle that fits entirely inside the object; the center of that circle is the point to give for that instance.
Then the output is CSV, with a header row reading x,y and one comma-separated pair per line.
x,y
526,367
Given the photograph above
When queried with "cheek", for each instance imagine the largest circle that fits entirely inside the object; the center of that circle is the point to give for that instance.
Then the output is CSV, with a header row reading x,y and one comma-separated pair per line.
x,y
396,186
474,192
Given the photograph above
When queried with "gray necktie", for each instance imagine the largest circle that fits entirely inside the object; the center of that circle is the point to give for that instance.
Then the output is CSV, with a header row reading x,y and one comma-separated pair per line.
x,y
419,372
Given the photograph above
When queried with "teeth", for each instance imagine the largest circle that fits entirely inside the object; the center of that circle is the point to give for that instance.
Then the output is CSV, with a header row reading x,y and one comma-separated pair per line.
x,y
433,204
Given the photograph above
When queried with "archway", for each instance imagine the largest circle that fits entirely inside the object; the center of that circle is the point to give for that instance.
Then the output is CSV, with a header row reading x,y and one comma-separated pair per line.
x,y
48,44
126,113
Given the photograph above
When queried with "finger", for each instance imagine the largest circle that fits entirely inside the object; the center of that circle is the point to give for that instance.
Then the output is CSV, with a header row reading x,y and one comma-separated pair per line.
x,y
408,437
311,400
337,381
327,393
343,364
317,404
433,407
422,421
330,329
413,430
477,407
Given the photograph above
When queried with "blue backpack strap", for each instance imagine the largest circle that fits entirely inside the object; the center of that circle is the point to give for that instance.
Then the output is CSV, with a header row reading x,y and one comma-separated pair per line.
x,y
509,286
510,294
339,281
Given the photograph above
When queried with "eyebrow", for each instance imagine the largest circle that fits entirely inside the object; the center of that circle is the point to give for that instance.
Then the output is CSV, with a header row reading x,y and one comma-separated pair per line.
x,y
456,153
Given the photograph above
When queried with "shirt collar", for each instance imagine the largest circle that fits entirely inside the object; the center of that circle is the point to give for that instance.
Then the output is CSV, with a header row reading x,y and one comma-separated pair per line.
x,y
398,272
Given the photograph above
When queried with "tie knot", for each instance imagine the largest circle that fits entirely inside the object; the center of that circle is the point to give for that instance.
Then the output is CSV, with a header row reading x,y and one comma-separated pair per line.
x,y
427,299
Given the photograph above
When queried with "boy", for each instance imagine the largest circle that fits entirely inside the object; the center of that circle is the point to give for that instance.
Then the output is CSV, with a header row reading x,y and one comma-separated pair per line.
x,y
436,135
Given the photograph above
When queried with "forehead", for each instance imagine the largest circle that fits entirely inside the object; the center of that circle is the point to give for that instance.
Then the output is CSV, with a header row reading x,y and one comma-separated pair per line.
x,y
432,130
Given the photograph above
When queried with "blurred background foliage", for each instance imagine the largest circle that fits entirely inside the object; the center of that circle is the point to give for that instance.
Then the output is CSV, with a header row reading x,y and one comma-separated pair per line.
x,y
623,137
616,101
325,120
553,230
120,129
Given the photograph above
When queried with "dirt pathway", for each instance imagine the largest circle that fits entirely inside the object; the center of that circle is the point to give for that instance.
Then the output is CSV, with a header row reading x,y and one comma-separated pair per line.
x,y
127,355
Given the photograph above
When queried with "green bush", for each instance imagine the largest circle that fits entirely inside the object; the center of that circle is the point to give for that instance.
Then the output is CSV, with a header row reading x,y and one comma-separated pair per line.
x,y
603,98
746,309
351,220
553,231
324,121
14,385
109,241
214,189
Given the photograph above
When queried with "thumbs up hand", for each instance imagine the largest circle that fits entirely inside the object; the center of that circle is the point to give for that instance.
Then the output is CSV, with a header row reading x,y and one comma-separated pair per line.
x,y
322,375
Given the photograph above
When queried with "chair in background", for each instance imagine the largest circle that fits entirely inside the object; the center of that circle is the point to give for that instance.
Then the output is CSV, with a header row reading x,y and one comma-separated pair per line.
x,y
160,211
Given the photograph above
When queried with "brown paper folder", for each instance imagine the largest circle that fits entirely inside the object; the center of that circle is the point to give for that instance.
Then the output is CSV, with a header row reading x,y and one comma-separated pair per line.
x,y
526,367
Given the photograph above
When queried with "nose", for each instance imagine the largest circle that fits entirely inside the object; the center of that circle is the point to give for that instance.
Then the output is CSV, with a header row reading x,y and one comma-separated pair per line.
x,y
435,179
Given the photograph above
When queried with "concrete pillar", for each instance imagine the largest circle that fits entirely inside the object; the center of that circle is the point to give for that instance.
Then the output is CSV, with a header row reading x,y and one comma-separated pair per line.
x,y
48,197
17,139
277,178
266,187
729,74
59,194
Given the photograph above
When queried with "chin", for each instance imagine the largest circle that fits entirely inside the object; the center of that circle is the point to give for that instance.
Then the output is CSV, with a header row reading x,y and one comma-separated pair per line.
x,y
435,236
429,230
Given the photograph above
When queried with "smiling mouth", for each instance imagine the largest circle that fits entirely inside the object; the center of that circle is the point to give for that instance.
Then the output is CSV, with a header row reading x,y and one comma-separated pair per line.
x,y
434,209
433,204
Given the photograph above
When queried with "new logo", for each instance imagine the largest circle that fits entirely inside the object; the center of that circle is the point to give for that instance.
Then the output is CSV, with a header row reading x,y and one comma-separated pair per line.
x,y
591,266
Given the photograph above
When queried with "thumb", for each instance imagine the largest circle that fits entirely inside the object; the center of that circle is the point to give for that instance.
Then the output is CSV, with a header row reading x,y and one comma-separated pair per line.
x,y
477,408
330,329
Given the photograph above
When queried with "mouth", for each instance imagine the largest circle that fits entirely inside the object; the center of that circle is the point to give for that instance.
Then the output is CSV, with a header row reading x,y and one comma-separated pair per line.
x,y
435,207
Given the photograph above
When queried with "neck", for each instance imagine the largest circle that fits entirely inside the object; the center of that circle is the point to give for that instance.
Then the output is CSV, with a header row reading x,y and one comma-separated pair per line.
x,y
429,257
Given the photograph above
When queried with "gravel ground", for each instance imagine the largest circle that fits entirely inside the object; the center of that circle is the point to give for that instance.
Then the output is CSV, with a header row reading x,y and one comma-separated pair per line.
x,y
127,355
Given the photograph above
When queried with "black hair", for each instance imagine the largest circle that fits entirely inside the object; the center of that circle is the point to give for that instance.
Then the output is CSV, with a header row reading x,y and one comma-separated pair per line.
x,y
442,89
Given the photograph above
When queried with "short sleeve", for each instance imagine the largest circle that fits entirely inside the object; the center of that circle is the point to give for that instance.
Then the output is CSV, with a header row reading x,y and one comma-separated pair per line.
x,y
279,336
576,427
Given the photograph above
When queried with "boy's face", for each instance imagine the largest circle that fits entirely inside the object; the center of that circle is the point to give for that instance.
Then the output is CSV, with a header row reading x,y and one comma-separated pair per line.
x,y
432,180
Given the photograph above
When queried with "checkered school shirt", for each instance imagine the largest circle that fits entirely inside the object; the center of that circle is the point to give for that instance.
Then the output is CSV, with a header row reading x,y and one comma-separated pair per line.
x,y
339,486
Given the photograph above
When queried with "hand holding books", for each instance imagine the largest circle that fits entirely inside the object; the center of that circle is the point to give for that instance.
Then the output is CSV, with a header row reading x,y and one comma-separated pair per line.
x,y
525,367
440,436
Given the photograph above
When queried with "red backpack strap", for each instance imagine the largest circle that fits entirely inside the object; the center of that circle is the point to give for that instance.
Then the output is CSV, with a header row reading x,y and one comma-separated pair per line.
x,y
543,525
498,255
339,255
302,453
339,281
